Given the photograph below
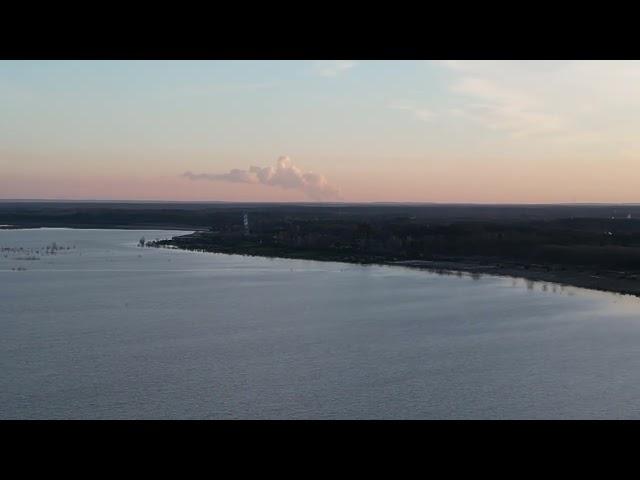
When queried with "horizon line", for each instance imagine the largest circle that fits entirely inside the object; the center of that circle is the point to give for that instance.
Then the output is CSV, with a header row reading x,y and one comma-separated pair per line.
x,y
312,203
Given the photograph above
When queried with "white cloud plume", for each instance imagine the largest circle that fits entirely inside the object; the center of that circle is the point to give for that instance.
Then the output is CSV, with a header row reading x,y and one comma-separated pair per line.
x,y
284,175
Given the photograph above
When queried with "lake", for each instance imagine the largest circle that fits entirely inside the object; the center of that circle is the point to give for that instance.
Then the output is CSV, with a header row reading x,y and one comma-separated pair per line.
x,y
93,326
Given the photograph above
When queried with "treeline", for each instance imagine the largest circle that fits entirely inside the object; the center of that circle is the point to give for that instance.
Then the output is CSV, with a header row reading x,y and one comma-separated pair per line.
x,y
606,236
226,216
605,243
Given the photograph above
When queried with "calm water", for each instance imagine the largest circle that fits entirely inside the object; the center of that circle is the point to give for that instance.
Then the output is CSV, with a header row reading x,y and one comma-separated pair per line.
x,y
104,329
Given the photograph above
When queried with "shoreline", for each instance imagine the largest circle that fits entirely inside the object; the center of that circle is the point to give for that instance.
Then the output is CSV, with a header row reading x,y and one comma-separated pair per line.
x,y
604,282
623,283
106,227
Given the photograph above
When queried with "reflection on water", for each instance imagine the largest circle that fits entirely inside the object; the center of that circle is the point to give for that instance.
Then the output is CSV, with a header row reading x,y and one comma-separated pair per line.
x,y
543,286
448,272
113,330
515,282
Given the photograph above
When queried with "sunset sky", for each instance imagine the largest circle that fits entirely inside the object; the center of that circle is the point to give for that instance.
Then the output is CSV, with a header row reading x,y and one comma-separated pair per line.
x,y
392,131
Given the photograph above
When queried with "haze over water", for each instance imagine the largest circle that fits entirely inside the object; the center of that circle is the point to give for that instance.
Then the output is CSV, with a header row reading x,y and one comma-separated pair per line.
x,y
106,329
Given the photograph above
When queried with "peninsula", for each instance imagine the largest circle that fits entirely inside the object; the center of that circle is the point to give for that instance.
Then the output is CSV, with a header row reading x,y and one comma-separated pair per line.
x,y
590,246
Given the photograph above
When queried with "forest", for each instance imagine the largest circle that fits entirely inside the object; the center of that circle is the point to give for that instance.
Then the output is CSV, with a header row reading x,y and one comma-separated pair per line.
x,y
590,236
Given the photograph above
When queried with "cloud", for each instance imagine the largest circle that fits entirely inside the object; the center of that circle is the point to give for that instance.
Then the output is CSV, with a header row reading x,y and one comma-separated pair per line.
x,y
423,114
284,175
333,68
235,175
562,100
225,88
502,108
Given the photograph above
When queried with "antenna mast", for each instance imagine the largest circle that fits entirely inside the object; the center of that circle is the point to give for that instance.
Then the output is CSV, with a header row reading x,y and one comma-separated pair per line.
x,y
246,223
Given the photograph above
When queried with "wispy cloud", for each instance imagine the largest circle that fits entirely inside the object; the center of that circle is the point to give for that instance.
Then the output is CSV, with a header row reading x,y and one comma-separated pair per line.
x,y
564,100
501,108
284,175
421,113
333,68
226,88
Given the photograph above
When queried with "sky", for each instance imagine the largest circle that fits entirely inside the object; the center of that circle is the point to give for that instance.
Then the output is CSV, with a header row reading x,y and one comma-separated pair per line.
x,y
353,131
